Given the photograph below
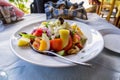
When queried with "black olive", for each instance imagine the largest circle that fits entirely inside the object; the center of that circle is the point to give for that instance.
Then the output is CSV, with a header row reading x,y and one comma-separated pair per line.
x,y
23,32
61,20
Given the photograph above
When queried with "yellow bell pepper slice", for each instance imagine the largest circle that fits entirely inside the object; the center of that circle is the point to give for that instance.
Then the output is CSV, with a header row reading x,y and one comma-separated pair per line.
x,y
43,45
64,35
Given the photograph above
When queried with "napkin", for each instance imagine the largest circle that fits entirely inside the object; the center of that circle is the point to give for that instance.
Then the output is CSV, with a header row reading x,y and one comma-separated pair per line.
x,y
9,13
65,9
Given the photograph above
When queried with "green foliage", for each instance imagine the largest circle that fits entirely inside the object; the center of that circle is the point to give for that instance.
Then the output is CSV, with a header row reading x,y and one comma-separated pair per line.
x,y
21,4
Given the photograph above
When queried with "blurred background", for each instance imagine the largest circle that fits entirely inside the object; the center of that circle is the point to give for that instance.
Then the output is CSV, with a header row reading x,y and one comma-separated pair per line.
x,y
107,9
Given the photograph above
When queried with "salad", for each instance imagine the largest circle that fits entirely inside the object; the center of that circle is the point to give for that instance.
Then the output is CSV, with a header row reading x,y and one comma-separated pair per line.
x,y
58,36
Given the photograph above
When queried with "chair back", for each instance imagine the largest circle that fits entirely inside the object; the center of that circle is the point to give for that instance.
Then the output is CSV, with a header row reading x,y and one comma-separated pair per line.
x,y
117,19
109,5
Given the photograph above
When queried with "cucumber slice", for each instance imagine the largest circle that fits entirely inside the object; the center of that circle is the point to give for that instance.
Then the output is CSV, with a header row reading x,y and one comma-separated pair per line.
x,y
61,52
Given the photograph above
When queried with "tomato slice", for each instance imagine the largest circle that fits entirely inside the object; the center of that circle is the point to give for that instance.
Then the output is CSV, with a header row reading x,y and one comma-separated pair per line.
x,y
38,32
56,44
69,44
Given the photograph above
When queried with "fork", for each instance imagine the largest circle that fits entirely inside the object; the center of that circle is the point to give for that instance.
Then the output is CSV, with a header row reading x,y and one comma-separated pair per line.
x,y
62,57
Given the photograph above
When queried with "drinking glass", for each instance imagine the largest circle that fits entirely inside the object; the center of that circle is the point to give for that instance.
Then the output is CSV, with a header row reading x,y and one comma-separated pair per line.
x,y
5,69
3,74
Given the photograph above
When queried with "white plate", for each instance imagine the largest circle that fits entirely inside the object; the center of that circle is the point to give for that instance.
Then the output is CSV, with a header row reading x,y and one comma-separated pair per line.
x,y
93,47
112,42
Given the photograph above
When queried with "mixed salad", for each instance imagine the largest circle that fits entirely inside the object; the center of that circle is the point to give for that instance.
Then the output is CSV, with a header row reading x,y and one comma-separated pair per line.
x,y
57,36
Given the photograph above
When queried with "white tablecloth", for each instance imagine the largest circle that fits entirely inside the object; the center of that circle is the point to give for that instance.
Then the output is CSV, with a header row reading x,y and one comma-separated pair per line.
x,y
107,64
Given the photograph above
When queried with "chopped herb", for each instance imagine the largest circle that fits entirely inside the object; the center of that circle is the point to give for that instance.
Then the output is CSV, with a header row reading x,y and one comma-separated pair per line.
x,y
83,40
73,32
57,36
27,35
50,38
47,24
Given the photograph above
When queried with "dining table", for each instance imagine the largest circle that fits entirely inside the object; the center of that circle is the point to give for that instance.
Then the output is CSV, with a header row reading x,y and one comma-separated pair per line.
x,y
106,64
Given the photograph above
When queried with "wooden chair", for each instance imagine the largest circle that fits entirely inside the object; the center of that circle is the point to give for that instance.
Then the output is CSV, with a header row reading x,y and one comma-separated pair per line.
x,y
117,19
106,8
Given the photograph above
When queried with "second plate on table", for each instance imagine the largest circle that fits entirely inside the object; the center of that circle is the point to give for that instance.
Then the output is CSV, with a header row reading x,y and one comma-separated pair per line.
x,y
112,42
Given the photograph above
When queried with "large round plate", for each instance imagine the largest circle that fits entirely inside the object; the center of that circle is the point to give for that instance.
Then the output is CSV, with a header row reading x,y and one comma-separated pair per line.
x,y
93,47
